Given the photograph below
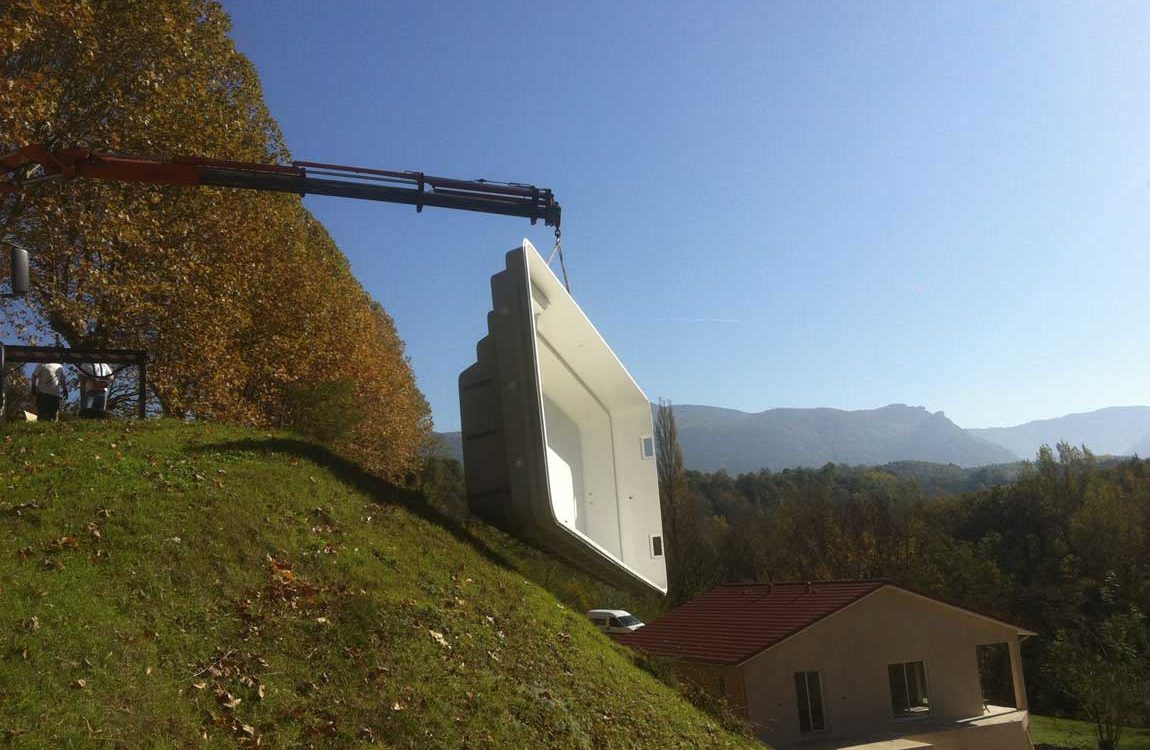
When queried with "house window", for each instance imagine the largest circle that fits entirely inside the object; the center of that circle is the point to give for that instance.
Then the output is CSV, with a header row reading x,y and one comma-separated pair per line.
x,y
656,546
647,446
909,695
809,692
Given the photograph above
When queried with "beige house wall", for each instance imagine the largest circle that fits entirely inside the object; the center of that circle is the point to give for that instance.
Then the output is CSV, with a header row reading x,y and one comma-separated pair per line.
x,y
852,649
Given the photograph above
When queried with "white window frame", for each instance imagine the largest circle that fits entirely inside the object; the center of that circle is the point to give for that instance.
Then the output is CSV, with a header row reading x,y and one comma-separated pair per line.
x,y
822,701
643,447
906,686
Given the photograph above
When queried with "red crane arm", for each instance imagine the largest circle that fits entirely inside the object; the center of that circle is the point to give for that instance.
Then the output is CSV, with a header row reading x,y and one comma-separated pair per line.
x,y
37,163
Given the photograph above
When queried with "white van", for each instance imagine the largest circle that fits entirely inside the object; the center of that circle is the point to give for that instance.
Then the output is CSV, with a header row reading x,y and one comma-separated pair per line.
x,y
614,620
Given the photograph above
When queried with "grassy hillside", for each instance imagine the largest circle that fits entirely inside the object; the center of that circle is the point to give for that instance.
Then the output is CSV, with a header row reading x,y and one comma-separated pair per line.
x,y
166,584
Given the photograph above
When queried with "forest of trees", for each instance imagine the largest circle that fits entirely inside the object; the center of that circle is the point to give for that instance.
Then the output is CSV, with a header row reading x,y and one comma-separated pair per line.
x,y
1062,550
248,309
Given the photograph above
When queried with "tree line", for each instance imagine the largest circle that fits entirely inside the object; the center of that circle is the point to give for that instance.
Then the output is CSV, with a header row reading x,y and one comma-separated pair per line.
x,y
246,305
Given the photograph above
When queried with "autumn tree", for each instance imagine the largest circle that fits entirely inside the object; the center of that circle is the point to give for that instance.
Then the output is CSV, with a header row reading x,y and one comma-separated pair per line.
x,y
693,536
241,298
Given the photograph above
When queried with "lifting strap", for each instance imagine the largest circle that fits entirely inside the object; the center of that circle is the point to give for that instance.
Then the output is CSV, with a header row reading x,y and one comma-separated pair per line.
x,y
558,250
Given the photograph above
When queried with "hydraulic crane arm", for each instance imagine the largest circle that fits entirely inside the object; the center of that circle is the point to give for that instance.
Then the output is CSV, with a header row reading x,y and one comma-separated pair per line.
x,y
37,163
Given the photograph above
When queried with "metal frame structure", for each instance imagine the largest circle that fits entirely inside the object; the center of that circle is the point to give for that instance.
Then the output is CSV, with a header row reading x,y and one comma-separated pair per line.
x,y
21,355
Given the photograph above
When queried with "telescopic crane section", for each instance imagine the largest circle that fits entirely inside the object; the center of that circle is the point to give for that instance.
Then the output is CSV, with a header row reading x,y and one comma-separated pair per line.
x,y
38,163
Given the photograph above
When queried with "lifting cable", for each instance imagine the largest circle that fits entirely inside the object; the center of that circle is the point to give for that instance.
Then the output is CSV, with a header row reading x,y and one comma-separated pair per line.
x,y
558,250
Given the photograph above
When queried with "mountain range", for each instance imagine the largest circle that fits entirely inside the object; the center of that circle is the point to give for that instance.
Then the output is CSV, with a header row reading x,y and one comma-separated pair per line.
x,y
714,438
1117,430
777,439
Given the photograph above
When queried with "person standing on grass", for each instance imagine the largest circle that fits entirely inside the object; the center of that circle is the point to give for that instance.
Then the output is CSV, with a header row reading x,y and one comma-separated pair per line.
x,y
50,389
95,380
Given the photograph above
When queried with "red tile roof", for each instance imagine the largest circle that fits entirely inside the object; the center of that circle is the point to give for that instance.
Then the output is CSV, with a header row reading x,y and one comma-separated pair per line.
x,y
731,623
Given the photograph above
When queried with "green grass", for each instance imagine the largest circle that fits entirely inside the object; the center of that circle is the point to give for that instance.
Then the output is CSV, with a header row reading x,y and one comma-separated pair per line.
x,y
174,585
1068,733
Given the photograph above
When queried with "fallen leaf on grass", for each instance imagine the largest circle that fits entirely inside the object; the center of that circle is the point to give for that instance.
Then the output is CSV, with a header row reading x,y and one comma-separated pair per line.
x,y
227,700
80,684
438,638
65,542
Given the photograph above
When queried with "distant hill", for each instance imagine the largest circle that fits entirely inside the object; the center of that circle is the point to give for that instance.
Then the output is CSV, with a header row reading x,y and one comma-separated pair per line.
x,y
714,438
776,439
448,445
1118,430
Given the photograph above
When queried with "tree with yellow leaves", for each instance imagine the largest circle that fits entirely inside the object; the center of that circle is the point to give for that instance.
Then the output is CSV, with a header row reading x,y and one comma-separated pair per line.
x,y
241,298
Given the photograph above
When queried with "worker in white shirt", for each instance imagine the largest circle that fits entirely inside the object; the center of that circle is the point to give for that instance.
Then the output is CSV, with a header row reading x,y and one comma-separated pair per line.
x,y
95,380
50,389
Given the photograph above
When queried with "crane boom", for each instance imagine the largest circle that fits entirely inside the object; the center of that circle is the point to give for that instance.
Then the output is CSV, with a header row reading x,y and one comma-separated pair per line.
x,y
37,163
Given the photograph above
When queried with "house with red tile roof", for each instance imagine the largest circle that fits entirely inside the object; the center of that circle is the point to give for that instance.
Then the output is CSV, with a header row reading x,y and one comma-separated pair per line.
x,y
850,664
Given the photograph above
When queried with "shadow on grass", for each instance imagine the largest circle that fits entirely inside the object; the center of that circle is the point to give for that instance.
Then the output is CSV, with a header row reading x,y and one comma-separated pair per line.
x,y
356,477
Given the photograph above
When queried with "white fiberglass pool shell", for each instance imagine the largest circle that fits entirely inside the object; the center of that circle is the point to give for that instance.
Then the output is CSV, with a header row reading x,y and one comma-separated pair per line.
x,y
557,437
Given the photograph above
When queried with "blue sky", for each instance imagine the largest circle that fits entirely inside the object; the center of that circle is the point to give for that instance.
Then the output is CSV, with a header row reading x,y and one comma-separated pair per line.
x,y
766,204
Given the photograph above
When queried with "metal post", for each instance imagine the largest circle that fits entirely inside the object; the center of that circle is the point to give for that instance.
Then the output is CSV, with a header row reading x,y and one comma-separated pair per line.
x,y
20,279
142,389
